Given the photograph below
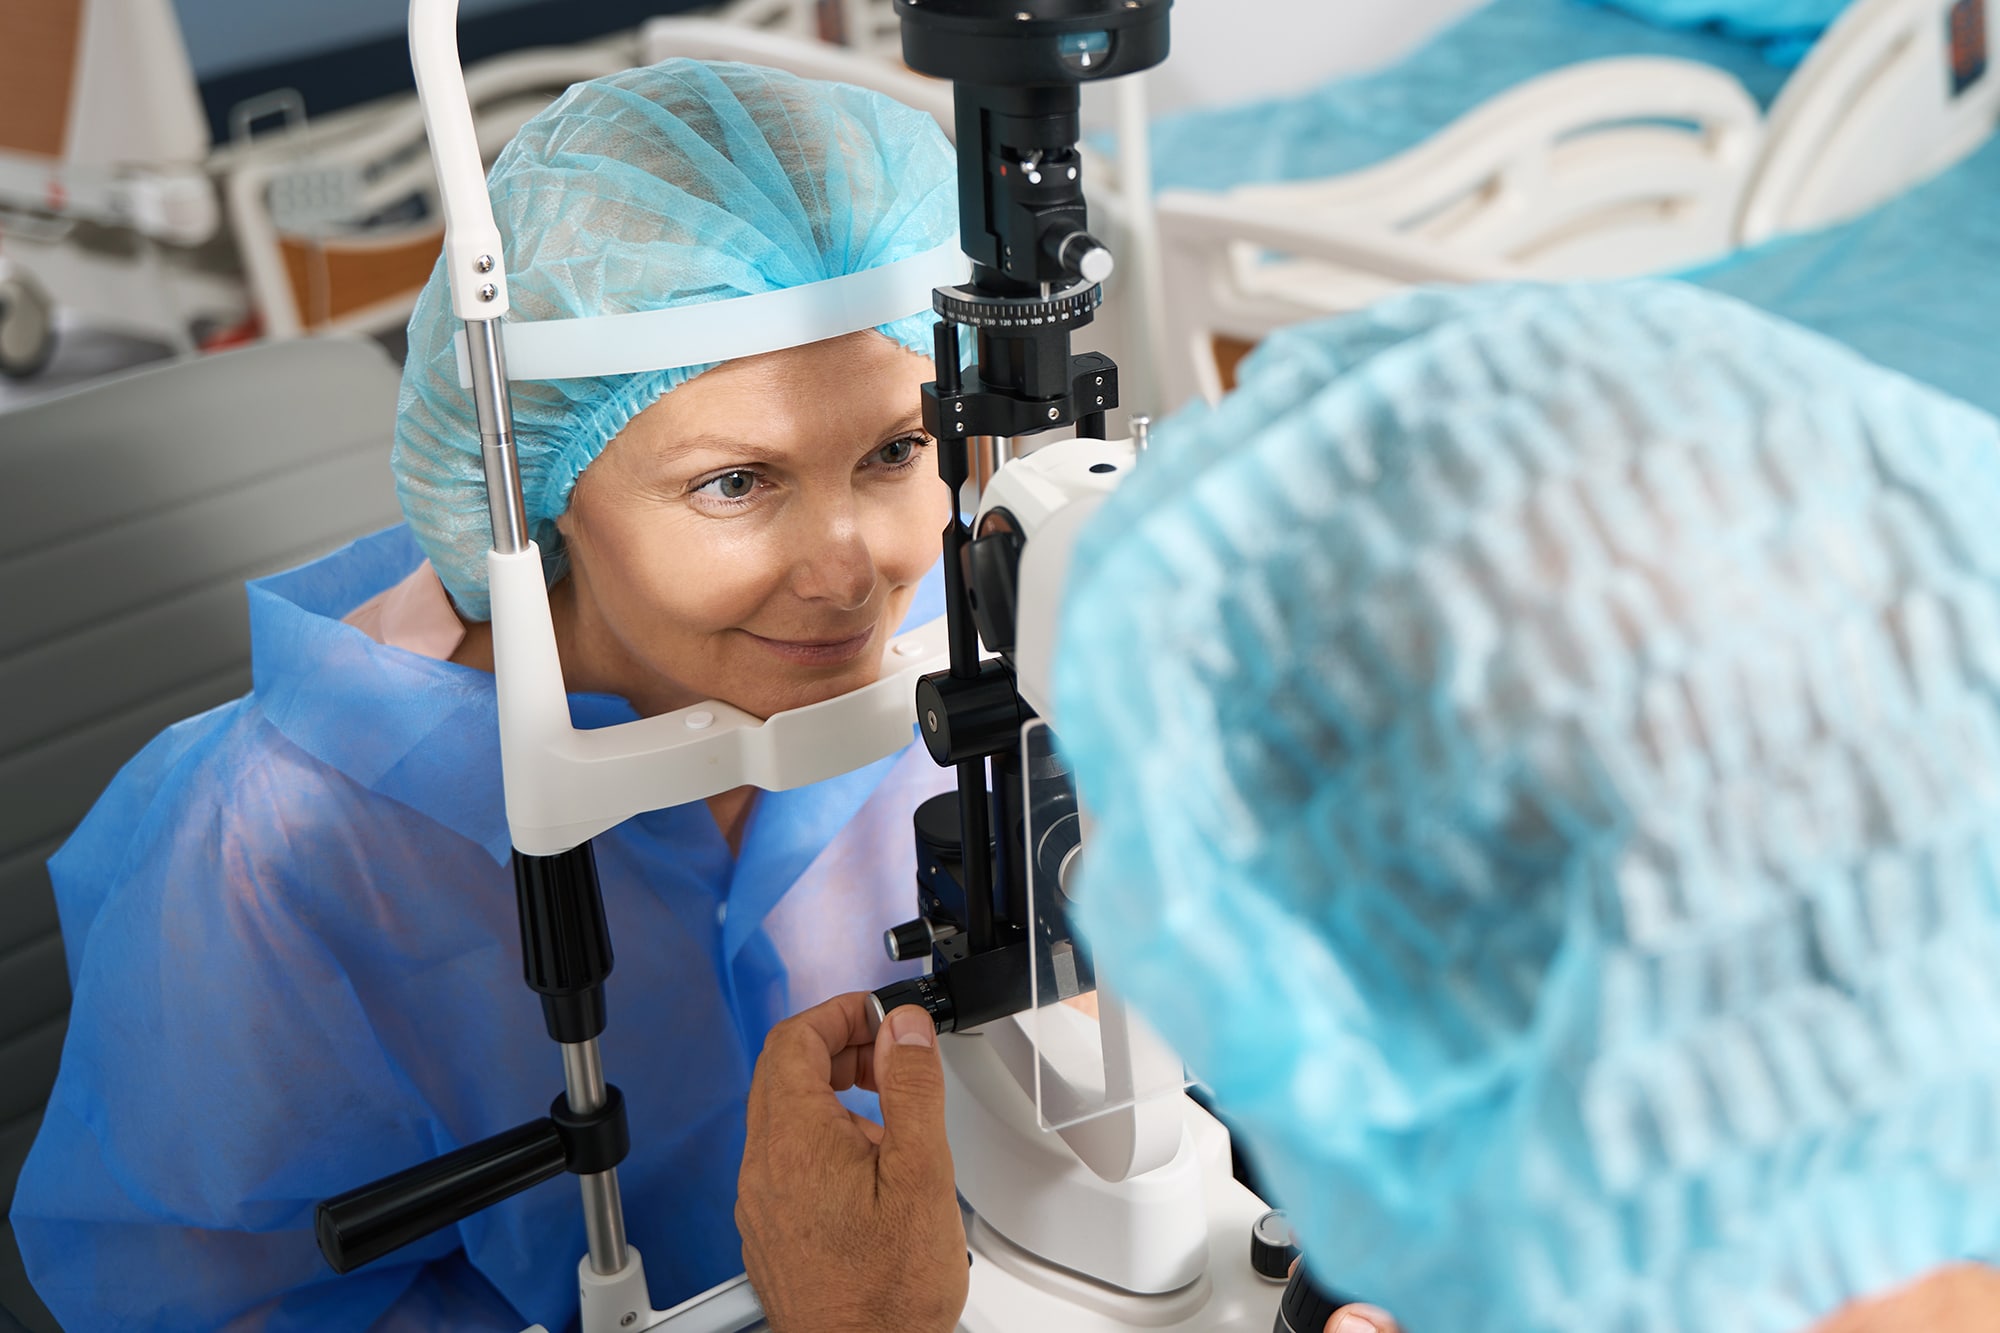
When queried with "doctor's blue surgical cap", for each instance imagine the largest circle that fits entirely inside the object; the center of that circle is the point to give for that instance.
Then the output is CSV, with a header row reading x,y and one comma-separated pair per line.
x,y
1546,769
673,185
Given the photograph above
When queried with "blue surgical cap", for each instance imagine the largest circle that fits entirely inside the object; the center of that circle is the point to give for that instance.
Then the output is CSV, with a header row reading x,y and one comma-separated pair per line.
x,y
674,185
1546,768
1785,29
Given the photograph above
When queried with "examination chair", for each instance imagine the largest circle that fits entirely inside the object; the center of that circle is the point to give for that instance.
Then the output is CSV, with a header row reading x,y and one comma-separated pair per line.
x,y
137,508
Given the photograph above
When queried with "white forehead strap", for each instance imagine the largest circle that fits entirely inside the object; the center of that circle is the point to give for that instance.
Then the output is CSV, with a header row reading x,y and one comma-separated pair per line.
x,y
715,331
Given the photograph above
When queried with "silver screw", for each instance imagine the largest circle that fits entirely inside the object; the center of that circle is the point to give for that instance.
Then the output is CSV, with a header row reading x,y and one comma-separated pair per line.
x,y
1100,381
484,263
1055,414
631,1318
1100,400
930,719
959,408
488,291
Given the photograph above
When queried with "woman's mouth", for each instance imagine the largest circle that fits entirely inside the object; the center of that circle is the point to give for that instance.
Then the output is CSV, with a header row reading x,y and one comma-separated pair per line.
x,y
818,652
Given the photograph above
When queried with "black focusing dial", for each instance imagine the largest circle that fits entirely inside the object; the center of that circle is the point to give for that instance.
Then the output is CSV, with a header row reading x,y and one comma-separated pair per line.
x,y
1071,308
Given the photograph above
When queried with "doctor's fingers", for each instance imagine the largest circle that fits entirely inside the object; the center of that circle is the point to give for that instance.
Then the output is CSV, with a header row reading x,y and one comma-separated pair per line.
x,y
819,1047
909,1079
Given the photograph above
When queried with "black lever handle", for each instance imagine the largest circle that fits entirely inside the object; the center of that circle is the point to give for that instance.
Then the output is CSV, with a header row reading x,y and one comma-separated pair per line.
x,y
364,1224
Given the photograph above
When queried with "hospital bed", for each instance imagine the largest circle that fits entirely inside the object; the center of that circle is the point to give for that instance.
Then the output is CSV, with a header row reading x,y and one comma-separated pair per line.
x,y
1635,165
142,503
337,220
103,195
337,224
108,185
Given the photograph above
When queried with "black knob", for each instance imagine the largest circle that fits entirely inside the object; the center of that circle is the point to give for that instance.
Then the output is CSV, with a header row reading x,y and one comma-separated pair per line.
x,y
909,941
1306,1308
969,718
1271,1247
931,993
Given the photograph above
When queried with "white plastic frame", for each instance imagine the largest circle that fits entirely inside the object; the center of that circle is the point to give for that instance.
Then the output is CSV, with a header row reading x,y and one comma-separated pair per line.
x,y
564,785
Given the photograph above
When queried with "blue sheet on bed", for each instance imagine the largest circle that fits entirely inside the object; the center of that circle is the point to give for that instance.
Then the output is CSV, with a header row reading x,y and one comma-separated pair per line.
x,y
1356,122
1914,285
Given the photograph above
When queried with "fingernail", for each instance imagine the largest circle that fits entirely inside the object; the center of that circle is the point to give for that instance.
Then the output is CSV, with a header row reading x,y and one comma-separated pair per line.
x,y
1364,1319
912,1027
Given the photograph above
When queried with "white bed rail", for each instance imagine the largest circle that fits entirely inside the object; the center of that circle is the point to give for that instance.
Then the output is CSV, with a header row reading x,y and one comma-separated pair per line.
x,y
1603,168
1609,168
1896,92
378,163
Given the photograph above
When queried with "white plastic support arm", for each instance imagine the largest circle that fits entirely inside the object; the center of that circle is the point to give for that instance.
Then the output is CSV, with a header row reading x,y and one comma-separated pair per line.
x,y
473,262
565,786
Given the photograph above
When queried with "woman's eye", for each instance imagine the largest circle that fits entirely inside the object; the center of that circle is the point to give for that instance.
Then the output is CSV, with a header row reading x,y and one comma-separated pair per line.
x,y
898,452
730,486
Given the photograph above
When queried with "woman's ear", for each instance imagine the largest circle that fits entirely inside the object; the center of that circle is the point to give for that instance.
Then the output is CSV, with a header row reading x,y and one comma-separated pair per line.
x,y
567,521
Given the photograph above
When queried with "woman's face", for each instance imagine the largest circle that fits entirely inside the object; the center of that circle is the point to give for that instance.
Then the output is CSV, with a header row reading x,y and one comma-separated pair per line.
x,y
756,535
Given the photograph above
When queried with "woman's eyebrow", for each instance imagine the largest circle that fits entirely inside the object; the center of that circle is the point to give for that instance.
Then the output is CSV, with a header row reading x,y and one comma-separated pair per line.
x,y
750,450
913,422
719,444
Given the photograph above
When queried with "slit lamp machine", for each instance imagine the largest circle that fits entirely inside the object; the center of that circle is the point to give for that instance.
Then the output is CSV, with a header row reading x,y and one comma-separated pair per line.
x,y
1099,1196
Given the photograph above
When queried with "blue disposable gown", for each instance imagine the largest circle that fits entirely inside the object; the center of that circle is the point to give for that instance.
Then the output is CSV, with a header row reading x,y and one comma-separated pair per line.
x,y
291,932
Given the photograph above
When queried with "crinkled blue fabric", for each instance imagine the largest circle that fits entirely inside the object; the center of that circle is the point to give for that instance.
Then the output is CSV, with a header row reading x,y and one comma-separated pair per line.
x,y
1912,284
1544,750
1785,29
674,185
291,933
1356,122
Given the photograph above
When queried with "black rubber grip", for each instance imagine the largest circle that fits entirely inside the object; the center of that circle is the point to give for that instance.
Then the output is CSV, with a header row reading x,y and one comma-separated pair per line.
x,y
362,1225
565,943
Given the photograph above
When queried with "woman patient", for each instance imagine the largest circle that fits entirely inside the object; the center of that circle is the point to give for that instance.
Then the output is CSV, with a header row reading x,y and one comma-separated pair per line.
x,y
1545,750
290,922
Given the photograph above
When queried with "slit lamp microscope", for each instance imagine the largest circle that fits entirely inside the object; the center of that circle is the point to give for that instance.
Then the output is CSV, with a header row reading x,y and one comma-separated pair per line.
x,y
1099,1196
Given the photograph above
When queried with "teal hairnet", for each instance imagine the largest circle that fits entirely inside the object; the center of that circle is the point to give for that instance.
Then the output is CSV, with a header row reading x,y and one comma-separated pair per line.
x,y
1546,768
674,185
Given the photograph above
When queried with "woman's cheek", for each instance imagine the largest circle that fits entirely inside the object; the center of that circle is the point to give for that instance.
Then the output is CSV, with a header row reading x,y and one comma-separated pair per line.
x,y
706,582
916,523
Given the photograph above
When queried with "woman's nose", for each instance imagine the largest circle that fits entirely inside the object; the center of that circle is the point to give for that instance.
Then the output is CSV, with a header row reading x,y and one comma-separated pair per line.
x,y
836,564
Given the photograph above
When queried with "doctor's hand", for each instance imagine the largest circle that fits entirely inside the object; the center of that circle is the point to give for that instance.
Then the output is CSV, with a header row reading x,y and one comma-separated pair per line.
x,y
847,1226
1964,1298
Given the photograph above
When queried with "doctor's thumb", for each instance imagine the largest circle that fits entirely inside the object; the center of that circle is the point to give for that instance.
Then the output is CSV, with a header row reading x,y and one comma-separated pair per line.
x,y
909,1079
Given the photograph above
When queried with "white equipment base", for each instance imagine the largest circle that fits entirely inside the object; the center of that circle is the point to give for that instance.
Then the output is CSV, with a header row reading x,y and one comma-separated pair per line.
x,y
1015,1292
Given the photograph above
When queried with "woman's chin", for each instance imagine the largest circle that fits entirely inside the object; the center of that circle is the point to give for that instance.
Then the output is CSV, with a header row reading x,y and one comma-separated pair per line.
x,y
806,688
